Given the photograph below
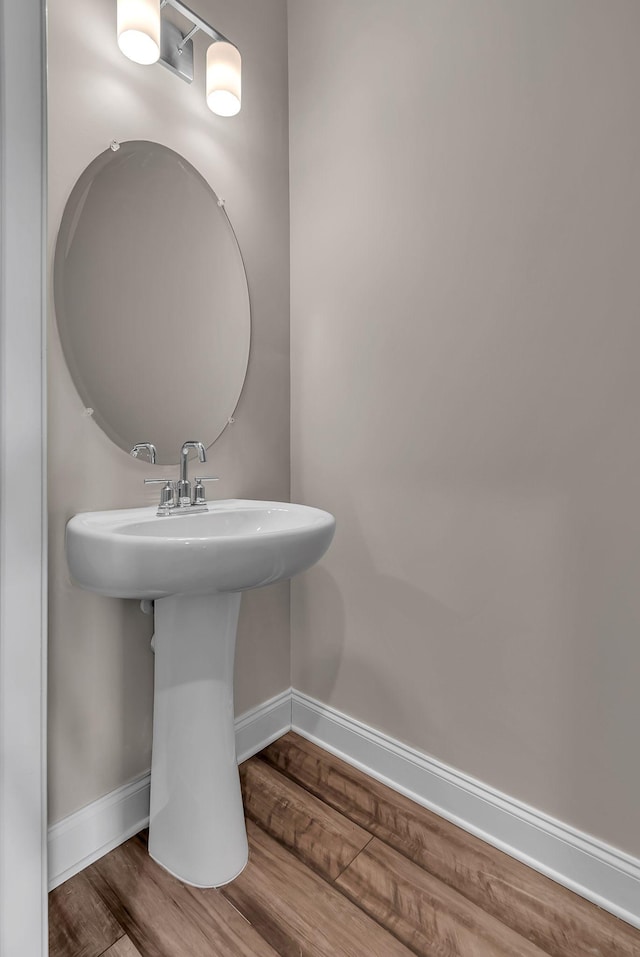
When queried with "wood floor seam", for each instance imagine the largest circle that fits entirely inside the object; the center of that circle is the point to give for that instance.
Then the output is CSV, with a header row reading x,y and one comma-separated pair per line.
x,y
347,866
110,947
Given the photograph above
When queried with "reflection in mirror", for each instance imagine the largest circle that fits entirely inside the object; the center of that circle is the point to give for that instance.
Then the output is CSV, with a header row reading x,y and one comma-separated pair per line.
x,y
151,299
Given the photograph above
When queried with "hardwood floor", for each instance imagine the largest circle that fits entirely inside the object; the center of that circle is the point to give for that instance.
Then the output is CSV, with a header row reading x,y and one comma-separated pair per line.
x,y
339,866
79,922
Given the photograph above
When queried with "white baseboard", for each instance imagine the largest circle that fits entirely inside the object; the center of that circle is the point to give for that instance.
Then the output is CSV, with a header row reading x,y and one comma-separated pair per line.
x,y
93,831
257,728
600,873
83,837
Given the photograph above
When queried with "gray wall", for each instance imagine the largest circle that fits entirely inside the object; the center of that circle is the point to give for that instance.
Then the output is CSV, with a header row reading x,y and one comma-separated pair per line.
x,y
100,689
465,215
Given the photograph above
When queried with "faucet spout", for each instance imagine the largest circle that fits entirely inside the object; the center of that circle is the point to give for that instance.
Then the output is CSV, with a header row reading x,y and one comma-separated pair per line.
x,y
184,456
184,485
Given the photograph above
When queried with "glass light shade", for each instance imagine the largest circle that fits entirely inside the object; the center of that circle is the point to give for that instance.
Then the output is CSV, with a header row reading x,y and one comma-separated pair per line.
x,y
224,75
139,29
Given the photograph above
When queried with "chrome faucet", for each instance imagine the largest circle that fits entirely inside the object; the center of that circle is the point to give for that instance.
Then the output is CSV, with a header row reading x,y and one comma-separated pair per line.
x,y
184,485
177,496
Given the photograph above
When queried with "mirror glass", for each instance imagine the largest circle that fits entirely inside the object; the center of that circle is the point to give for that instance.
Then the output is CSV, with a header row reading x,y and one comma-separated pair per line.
x,y
151,300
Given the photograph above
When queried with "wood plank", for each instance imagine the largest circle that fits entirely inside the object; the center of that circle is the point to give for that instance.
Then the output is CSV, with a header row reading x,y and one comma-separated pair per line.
x,y
162,917
79,923
299,913
424,913
321,837
549,915
122,948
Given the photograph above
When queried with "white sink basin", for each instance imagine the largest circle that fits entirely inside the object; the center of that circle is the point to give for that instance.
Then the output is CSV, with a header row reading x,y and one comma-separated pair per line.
x,y
235,545
195,566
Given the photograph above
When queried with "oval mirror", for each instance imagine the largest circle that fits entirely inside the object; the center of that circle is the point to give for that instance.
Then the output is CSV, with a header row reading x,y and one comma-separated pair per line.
x,y
151,300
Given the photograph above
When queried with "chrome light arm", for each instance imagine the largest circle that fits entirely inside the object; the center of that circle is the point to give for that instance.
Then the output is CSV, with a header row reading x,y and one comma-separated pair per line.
x,y
196,20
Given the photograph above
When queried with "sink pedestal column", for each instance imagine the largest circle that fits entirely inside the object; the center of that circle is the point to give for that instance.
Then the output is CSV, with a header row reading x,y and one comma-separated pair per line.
x,y
196,829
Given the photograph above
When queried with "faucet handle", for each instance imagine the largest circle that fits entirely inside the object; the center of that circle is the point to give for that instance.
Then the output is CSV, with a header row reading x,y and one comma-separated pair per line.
x,y
167,493
198,488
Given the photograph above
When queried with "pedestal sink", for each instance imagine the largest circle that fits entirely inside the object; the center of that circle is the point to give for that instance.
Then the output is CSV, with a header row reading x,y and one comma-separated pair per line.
x,y
195,567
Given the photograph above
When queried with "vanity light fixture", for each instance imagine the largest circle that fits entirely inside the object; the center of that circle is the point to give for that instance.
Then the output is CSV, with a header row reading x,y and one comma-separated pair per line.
x,y
146,36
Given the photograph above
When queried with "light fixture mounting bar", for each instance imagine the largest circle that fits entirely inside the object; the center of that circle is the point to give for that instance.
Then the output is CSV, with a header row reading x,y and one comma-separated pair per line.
x,y
196,20
190,35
